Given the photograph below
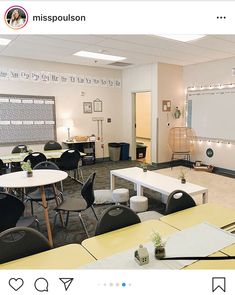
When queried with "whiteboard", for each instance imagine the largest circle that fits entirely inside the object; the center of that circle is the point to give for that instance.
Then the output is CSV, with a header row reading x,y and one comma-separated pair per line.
x,y
27,119
211,113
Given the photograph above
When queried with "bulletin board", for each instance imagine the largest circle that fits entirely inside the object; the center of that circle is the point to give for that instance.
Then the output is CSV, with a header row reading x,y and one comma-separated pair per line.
x,y
27,119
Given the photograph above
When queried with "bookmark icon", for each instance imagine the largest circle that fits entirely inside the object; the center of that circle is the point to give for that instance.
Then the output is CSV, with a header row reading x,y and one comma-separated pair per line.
x,y
218,283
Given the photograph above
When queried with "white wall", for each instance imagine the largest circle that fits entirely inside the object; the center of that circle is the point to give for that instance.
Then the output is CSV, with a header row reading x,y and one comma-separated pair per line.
x,y
139,79
143,115
170,87
216,72
69,102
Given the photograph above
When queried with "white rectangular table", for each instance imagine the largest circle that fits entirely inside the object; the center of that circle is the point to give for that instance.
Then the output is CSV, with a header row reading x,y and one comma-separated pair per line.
x,y
156,182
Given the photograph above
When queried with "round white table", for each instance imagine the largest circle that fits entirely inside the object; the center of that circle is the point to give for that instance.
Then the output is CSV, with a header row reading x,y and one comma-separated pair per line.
x,y
39,179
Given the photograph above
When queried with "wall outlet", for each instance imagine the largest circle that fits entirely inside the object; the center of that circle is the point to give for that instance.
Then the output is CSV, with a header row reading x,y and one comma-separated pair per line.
x,y
102,145
109,120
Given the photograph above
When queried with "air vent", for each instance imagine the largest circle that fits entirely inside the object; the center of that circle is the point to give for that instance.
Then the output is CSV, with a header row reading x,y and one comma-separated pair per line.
x,y
120,64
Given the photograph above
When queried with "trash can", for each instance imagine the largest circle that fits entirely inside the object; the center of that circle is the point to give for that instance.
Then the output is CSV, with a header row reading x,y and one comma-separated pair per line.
x,y
114,151
124,151
140,151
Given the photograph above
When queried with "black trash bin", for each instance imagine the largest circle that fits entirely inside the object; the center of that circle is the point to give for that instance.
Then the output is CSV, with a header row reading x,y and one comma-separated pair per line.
x,y
114,151
140,151
124,151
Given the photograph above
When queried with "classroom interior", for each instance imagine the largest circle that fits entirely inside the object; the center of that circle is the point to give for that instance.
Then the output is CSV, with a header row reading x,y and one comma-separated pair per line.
x,y
141,151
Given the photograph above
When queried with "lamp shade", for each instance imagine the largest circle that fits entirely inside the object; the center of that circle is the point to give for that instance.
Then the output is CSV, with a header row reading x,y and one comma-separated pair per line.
x,y
68,123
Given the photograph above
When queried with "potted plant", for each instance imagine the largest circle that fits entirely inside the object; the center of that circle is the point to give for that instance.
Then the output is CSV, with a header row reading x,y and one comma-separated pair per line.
x,y
26,166
182,176
30,151
144,166
159,245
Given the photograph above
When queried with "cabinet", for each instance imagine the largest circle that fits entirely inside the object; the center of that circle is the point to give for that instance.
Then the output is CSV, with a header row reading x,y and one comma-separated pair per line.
x,y
87,147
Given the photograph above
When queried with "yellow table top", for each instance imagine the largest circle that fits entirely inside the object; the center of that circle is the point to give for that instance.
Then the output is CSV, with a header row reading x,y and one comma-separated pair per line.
x,y
230,250
212,264
70,256
19,157
122,239
211,213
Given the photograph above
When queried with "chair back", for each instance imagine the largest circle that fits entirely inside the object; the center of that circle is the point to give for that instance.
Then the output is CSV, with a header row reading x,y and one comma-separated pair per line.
x,y
21,148
87,190
11,208
2,167
46,165
69,160
35,158
52,145
20,242
115,217
179,200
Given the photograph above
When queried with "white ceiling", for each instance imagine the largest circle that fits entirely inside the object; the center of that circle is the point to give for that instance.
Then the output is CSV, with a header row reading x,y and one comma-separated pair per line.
x,y
139,49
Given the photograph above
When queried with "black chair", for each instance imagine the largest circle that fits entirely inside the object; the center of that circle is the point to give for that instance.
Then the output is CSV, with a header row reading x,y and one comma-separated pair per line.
x,y
52,145
79,204
21,148
35,158
115,217
3,167
11,211
179,200
20,242
70,160
51,192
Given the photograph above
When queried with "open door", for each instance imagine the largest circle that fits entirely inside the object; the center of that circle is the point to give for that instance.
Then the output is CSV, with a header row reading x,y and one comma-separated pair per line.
x,y
142,132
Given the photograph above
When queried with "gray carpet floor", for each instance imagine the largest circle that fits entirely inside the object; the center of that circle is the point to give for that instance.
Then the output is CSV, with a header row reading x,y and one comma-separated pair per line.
x,y
74,232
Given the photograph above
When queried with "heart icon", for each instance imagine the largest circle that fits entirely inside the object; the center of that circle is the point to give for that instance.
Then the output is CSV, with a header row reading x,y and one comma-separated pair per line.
x,y
16,284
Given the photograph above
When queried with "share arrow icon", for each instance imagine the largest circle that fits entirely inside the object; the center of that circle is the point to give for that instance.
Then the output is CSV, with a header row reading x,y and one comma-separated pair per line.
x,y
67,282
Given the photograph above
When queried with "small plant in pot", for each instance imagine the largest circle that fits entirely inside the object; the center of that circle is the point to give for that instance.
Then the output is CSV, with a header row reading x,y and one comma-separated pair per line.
x,y
26,166
30,151
159,245
182,176
144,166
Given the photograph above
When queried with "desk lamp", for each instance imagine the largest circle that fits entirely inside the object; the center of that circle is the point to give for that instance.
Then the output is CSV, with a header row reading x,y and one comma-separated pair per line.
x,y
68,123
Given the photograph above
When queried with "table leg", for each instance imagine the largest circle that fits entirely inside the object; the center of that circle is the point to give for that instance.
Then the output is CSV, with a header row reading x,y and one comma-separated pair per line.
x,y
205,198
46,215
112,182
139,190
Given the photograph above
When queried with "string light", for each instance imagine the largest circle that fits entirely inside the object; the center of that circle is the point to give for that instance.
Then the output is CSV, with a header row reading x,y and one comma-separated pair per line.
x,y
216,141
216,86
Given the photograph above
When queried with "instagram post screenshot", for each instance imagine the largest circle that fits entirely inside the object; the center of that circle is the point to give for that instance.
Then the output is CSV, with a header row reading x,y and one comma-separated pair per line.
x,y
117,147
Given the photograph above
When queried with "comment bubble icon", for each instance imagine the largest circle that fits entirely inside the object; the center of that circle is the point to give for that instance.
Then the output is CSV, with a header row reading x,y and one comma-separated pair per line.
x,y
41,285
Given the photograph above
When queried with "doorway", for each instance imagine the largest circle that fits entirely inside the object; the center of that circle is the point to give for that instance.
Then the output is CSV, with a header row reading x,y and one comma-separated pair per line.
x,y
142,130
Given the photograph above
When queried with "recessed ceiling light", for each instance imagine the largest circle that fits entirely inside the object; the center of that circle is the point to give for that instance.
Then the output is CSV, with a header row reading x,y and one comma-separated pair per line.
x,y
182,38
96,55
4,41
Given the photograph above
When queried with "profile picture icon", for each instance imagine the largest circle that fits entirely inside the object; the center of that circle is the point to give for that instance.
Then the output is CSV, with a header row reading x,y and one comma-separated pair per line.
x,y
16,17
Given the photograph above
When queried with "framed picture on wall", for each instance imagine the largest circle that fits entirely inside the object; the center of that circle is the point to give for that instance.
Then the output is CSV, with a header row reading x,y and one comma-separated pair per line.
x,y
166,105
97,104
87,107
